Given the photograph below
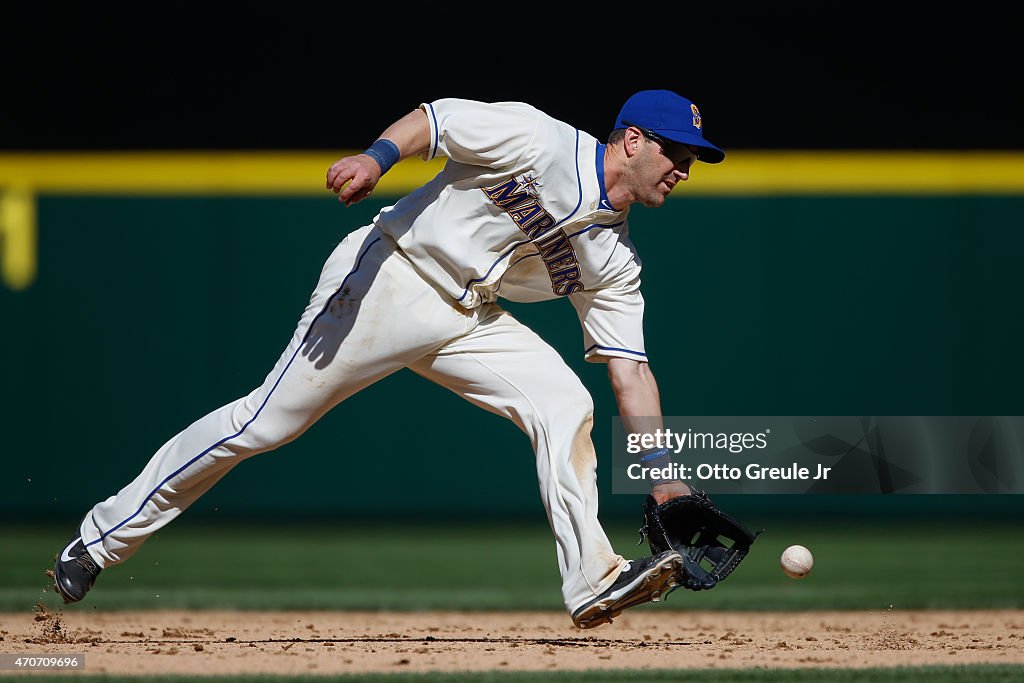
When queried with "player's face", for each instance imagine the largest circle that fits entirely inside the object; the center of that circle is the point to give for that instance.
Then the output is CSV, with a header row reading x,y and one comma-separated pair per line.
x,y
662,165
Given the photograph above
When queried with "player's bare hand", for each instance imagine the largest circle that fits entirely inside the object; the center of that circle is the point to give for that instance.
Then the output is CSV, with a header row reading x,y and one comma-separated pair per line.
x,y
353,178
669,490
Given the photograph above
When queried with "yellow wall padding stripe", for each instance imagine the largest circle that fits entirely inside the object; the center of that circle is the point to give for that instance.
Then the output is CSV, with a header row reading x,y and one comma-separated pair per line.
x,y
18,239
868,173
303,173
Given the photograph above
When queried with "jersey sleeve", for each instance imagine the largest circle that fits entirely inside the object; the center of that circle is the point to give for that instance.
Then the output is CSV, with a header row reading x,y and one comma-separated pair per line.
x,y
495,135
612,318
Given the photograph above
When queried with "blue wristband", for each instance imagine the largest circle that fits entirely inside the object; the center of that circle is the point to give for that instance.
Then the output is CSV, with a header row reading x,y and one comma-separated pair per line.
x,y
385,153
661,459
652,454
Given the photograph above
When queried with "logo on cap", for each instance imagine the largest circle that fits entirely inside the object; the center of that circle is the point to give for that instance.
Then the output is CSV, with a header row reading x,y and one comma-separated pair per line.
x,y
696,116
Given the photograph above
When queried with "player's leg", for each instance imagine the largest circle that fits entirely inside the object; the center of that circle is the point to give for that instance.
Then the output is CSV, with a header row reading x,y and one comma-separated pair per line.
x,y
369,315
506,368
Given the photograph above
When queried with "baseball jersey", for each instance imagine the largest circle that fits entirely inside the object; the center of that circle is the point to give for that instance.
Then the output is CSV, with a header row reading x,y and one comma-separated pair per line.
x,y
520,212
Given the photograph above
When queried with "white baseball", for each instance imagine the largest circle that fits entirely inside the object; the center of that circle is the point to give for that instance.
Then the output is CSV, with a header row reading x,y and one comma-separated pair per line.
x,y
797,561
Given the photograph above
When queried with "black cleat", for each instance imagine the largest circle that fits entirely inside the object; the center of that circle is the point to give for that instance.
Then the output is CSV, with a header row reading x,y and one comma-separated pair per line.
x,y
643,580
75,571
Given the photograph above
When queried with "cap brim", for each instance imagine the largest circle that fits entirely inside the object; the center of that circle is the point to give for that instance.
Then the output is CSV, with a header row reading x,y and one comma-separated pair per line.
x,y
707,153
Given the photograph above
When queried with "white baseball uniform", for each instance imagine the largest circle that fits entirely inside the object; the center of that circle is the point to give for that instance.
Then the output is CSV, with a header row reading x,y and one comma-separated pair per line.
x,y
519,211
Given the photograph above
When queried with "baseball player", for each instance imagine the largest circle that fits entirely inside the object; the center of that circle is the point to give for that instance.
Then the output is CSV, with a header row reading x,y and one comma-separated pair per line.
x,y
527,208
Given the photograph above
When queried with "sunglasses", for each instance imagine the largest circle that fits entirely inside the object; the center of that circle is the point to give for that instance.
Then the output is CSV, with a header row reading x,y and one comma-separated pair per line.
x,y
682,152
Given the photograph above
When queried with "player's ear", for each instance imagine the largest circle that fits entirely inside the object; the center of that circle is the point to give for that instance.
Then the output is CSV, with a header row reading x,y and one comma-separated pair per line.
x,y
632,141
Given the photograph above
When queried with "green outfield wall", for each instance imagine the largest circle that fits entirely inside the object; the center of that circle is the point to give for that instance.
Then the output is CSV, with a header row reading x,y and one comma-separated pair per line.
x,y
146,312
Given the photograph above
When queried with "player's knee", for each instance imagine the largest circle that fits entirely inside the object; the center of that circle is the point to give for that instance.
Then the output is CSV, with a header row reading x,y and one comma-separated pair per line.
x,y
266,435
570,407
583,405
258,432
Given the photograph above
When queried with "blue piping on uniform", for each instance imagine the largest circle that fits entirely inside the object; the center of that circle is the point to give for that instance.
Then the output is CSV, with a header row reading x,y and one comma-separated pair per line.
x,y
437,136
599,165
597,225
586,229
612,348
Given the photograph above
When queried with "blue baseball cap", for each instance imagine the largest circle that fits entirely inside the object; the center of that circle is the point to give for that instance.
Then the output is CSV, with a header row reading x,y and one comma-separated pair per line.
x,y
669,116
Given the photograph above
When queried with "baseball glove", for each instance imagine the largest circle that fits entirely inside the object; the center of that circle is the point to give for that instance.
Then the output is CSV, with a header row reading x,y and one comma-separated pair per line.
x,y
711,542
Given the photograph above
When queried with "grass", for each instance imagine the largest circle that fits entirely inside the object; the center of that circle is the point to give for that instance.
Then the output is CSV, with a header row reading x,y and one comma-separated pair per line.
x,y
488,567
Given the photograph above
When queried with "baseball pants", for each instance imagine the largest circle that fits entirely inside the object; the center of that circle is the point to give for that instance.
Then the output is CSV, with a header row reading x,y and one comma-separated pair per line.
x,y
370,315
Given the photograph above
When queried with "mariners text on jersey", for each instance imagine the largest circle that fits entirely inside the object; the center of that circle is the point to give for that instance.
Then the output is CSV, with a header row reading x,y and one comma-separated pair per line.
x,y
518,199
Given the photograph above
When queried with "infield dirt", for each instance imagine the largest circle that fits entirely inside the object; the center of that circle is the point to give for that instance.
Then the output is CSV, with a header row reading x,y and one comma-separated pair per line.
x,y
348,642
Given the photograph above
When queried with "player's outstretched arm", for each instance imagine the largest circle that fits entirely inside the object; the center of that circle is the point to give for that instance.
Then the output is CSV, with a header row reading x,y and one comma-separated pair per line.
x,y
636,393
353,178
712,544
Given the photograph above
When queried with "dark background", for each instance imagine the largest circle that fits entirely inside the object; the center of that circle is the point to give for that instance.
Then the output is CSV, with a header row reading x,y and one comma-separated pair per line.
x,y
277,78
876,305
